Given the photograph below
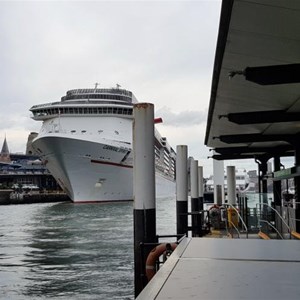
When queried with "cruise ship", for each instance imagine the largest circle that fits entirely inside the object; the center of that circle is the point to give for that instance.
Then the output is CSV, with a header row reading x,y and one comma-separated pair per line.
x,y
86,143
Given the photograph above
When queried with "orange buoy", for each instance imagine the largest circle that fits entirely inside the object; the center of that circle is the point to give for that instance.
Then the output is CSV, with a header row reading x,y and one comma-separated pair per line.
x,y
161,249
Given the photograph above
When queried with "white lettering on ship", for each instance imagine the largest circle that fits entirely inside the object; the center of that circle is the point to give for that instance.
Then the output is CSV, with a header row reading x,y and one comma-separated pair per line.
x,y
116,149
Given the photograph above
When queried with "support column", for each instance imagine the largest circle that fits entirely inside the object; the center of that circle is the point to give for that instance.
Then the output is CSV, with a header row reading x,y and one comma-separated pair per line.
x,y
277,183
297,189
195,207
144,217
263,189
218,167
231,185
182,189
200,187
277,195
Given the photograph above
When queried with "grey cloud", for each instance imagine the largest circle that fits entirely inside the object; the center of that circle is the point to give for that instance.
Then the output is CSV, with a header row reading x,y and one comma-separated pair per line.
x,y
182,119
153,48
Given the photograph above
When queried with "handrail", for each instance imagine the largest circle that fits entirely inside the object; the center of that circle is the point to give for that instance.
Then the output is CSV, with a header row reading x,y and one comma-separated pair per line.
x,y
289,204
240,217
281,218
272,227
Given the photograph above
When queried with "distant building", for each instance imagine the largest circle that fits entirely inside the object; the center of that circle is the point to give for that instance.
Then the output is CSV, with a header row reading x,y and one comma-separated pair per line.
x,y
24,169
4,155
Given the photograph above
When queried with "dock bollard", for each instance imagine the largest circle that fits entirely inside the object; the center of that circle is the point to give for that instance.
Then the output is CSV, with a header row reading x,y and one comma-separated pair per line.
x,y
144,215
182,189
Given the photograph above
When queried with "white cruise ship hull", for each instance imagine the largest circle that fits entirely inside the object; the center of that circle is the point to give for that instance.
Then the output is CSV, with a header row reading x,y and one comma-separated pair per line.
x,y
91,172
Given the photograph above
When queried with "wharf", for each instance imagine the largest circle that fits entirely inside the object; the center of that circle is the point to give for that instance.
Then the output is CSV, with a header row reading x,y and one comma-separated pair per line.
x,y
11,197
213,268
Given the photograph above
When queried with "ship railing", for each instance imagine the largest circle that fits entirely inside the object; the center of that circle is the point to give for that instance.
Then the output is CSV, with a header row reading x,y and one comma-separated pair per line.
x,y
79,102
109,90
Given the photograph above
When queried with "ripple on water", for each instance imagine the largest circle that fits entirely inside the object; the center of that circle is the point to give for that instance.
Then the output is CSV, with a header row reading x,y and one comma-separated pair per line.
x,y
69,251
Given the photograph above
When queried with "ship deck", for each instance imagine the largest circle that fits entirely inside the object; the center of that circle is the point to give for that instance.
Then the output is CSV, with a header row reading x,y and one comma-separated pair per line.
x,y
212,268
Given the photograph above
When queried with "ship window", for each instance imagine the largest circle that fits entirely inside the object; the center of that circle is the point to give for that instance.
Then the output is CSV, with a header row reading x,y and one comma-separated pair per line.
x,y
104,110
73,131
94,110
100,110
120,111
109,110
115,110
80,110
116,132
75,110
83,131
100,131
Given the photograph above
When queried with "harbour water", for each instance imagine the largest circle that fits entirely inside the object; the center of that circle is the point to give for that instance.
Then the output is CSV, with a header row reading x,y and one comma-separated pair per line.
x,y
67,251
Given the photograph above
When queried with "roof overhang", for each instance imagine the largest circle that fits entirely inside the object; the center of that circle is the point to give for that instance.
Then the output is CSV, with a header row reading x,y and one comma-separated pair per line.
x,y
255,93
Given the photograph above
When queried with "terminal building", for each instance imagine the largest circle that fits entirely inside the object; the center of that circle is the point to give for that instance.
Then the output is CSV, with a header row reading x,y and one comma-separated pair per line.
x,y
19,171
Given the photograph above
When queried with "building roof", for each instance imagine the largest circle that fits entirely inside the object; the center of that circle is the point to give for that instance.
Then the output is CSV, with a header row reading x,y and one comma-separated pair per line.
x,y
4,155
255,96
5,149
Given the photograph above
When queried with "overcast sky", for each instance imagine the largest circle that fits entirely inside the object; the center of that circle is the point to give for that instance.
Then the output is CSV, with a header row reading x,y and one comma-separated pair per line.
x,y
163,51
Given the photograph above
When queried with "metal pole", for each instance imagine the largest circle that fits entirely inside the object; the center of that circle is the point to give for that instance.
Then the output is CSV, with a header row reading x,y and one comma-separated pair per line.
x,y
231,185
194,197
218,167
143,188
181,189
200,187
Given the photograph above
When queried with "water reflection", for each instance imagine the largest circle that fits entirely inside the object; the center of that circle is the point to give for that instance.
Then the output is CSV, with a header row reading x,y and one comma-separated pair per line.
x,y
81,250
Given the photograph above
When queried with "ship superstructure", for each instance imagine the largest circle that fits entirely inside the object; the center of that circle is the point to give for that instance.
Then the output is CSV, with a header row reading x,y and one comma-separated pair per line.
x,y
86,143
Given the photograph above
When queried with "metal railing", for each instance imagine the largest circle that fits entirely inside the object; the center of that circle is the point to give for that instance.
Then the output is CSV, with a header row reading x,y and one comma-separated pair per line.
x,y
269,223
239,219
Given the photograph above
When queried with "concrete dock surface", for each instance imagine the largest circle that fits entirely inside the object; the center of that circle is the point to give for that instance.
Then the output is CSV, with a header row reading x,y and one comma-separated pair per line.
x,y
212,268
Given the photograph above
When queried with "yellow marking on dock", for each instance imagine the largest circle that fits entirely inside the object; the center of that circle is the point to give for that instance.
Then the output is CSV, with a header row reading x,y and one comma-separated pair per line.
x,y
221,234
263,236
295,234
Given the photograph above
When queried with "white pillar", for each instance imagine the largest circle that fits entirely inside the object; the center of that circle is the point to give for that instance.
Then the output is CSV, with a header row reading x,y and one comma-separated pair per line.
x,y
200,181
143,158
182,189
181,173
231,185
144,215
218,167
194,179
200,187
